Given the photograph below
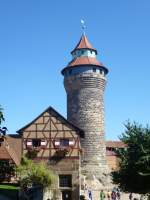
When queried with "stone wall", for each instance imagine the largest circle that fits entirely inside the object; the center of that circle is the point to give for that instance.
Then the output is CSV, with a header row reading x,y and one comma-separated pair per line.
x,y
85,109
113,162
68,167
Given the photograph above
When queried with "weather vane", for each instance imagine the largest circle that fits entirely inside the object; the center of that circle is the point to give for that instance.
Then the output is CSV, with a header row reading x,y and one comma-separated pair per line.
x,y
83,25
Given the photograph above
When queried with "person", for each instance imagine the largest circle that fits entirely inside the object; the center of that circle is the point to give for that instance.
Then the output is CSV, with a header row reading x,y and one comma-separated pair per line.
x,y
118,194
130,196
102,195
108,195
113,195
90,194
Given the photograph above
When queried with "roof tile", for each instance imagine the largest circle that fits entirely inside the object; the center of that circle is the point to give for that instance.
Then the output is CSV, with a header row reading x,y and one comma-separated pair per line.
x,y
85,61
84,44
115,144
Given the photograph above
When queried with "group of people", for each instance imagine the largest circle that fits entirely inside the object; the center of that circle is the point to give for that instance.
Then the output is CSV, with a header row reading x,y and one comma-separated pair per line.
x,y
110,195
115,194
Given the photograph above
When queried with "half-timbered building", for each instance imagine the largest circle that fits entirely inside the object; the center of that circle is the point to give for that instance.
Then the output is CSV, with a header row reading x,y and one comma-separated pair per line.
x,y
50,137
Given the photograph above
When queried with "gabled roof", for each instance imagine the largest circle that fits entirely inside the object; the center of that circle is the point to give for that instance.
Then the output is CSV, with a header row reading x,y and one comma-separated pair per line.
x,y
4,154
7,152
84,44
49,109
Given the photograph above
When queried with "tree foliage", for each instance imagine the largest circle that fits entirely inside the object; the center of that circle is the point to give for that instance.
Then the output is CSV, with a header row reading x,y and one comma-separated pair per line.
x,y
7,170
2,129
33,174
134,172
1,115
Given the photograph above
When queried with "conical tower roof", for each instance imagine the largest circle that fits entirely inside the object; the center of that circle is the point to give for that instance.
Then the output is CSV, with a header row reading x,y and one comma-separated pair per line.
x,y
84,54
84,44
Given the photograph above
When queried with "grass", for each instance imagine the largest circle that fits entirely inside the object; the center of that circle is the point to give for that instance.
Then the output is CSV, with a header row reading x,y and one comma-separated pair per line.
x,y
10,191
9,187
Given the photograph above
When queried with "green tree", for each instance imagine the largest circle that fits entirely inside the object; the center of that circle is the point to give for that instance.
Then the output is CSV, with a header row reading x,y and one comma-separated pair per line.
x,y
134,172
6,168
34,174
1,115
2,129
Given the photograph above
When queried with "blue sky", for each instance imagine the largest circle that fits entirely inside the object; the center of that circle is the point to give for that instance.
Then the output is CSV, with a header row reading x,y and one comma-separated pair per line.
x,y
36,38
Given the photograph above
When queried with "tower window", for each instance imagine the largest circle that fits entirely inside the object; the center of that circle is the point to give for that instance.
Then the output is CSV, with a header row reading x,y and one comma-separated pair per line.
x,y
70,71
65,180
94,69
101,71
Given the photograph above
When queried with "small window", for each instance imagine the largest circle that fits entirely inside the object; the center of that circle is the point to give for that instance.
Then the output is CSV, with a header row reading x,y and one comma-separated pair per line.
x,y
101,71
70,71
36,142
65,180
82,51
94,69
64,142
91,52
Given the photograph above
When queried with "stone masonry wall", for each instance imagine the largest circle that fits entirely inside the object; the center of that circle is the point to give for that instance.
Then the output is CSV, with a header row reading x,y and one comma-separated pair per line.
x,y
85,109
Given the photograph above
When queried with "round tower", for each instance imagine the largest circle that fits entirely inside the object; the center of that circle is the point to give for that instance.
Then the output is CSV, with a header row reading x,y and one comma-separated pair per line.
x,y
84,82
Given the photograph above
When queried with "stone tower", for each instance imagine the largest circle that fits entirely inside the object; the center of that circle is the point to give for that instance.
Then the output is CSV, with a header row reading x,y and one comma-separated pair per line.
x,y
84,82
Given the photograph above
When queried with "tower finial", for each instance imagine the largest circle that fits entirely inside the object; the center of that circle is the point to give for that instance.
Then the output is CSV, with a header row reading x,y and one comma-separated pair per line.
x,y
83,26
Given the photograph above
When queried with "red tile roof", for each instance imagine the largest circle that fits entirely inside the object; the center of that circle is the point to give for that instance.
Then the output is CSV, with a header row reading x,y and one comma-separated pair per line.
x,y
4,154
10,149
115,144
85,61
83,44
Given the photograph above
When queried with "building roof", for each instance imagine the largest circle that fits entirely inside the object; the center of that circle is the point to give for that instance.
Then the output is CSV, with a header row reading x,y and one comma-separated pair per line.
x,y
10,149
4,154
49,109
115,144
84,60
84,44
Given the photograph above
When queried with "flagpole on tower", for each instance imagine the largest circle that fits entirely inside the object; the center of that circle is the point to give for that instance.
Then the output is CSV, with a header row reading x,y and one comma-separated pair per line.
x,y
83,26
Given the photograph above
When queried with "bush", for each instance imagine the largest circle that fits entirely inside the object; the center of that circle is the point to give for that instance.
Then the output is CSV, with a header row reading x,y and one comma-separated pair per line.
x,y
32,174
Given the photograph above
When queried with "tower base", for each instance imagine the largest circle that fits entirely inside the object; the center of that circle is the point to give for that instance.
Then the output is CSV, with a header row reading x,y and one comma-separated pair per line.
x,y
94,180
